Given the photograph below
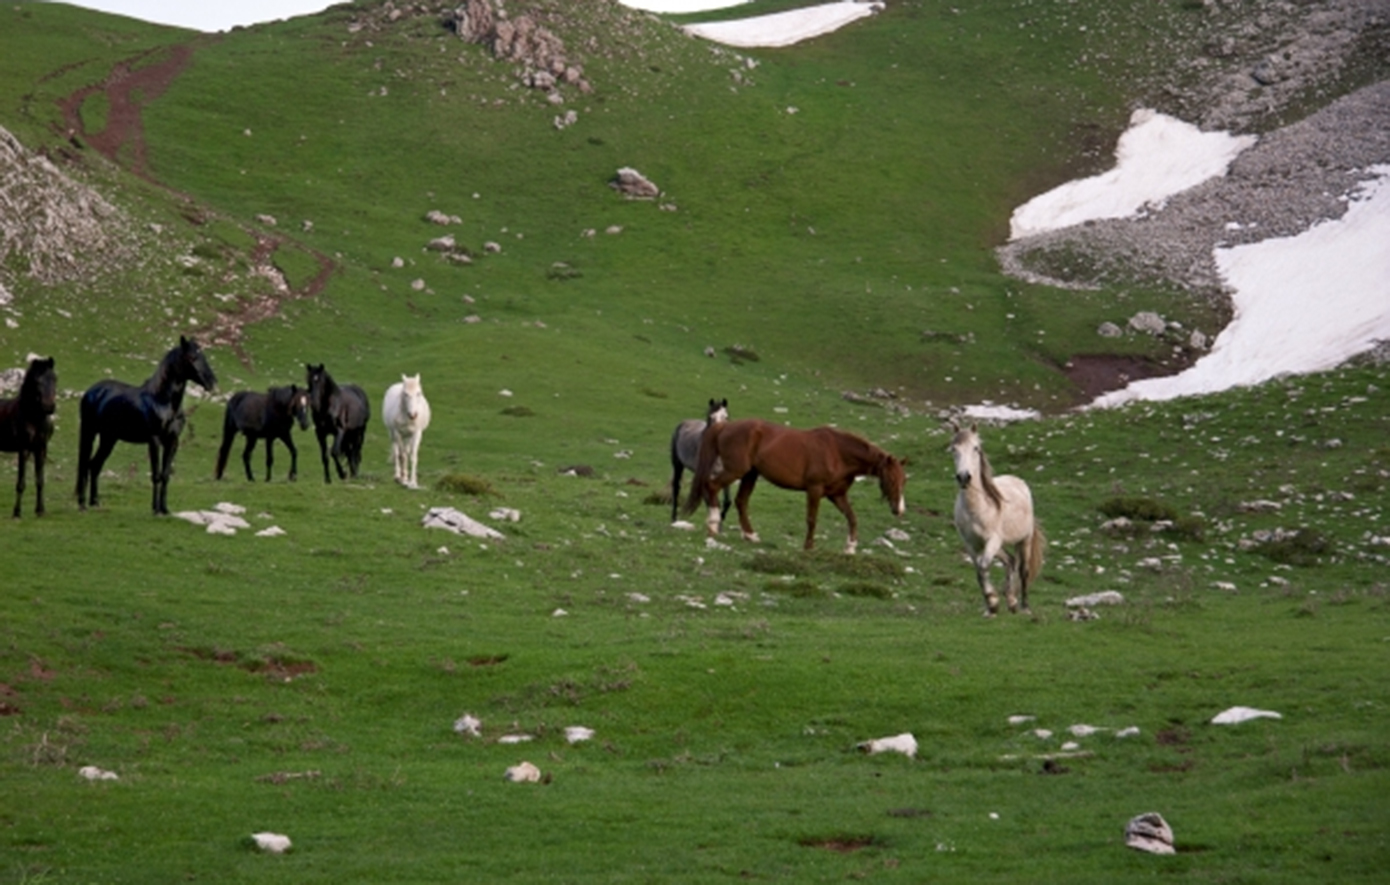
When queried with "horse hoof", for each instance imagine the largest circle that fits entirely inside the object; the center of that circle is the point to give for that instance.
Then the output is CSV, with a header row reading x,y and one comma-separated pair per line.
x,y
752,537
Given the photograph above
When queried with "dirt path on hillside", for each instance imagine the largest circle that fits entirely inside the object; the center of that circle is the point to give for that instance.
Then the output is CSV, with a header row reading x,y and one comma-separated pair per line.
x,y
131,85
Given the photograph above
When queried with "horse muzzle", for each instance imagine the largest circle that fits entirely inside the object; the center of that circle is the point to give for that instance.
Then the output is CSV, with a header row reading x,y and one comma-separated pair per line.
x,y
963,479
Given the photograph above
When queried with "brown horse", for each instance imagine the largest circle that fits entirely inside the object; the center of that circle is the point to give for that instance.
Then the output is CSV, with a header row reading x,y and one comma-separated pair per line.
x,y
822,462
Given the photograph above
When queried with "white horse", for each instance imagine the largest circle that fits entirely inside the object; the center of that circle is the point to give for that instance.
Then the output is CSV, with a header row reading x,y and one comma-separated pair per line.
x,y
407,414
994,516
685,449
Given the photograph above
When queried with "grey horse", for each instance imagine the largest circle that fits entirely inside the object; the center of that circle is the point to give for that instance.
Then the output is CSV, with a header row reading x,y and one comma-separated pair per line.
x,y
685,450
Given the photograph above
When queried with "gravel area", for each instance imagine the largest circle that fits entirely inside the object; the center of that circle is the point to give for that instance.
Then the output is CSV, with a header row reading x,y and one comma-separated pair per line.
x,y
1260,68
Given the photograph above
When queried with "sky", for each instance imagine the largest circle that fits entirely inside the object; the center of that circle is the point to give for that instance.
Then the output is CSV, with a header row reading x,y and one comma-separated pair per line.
x,y
208,15
1341,267
762,31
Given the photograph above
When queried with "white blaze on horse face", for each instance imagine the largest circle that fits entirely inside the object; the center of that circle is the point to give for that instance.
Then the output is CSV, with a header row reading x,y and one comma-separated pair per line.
x,y
964,449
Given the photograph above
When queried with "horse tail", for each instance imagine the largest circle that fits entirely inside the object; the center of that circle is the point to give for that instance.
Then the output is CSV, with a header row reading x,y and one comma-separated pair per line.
x,y
1033,554
85,435
677,469
704,466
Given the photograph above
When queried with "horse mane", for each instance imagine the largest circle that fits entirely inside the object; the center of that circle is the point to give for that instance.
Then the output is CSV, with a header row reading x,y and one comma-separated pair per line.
x,y
987,481
856,446
160,380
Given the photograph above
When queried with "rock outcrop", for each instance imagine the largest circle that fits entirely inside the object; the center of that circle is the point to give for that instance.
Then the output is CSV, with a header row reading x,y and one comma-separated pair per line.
x,y
521,40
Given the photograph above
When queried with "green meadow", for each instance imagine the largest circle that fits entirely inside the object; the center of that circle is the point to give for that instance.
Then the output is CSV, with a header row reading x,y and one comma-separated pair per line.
x,y
822,253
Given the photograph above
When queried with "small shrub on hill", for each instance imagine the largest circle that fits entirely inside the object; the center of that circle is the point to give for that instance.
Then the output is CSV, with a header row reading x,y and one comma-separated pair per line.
x,y
1139,509
463,484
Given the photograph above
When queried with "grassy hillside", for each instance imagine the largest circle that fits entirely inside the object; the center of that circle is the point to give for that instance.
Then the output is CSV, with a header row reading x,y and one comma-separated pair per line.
x,y
835,210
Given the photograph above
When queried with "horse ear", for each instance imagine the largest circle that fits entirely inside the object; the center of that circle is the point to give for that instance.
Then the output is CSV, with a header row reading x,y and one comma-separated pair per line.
x,y
724,402
904,462
974,427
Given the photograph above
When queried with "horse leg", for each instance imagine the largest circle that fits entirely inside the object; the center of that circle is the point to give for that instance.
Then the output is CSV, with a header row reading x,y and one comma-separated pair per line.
x,y
323,453
812,508
40,456
983,560
1012,563
288,440
246,457
269,456
19,483
171,448
678,470
355,454
98,461
1023,575
841,502
156,475
415,461
745,491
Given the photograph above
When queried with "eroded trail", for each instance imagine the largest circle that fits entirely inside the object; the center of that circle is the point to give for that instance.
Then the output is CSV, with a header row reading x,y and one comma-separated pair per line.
x,y
128,88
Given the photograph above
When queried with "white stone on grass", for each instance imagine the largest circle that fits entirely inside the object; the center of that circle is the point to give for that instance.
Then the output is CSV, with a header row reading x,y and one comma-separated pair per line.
x,y
459,523
273,843
92,773
903,743
576,733
1236,715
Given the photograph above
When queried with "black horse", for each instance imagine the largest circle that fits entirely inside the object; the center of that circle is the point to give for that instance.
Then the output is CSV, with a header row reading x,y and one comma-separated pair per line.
x,y
151,413
26,425
269,416
339,412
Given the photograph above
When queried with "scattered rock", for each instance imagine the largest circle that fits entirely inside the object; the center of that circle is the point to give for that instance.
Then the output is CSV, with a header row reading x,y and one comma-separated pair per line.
x,y
459,523
272,843
525,773
634,185
1150,832
1109,330
575,734
468,724
1237,715
1105,597
92,773
903,743
1148,322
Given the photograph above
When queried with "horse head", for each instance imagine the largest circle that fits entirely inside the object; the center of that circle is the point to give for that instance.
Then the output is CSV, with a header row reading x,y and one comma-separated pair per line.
x,y
299,405
193,365
316,379
40,385
718,412
410,396
892,482
965,449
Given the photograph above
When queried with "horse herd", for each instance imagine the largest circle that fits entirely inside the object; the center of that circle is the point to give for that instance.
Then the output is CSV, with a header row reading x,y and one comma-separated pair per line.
x,y
993,514
152,413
